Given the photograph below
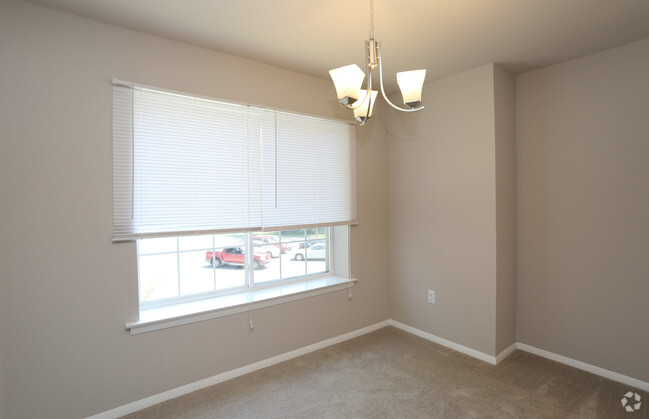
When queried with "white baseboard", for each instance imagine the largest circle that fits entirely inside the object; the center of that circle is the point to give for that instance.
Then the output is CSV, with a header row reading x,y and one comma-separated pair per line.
x,y
506,352
494,360
444,342
624,379
228,375
611,375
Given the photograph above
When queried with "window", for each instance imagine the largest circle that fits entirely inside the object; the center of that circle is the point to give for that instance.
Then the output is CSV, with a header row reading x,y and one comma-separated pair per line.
x,y
225,198
185,268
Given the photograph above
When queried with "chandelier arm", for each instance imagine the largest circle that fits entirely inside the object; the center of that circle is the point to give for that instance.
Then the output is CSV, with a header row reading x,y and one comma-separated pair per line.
x,y
353,107
369,93
380,57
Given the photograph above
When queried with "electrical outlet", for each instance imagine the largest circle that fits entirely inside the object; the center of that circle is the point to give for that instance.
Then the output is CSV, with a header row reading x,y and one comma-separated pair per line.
x,y
431,297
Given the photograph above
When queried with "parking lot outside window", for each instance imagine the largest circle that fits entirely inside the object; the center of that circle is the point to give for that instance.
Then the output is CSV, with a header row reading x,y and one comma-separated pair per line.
x,y
172,270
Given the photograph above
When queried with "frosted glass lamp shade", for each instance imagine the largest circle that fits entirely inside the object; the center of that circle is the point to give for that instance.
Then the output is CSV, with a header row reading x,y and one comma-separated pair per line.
x,y
361,114
348,80
411,83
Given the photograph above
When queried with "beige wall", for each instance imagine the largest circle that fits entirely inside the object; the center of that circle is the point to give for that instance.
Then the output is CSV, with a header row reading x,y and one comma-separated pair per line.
x,y
66,290
443,211
577,174
505,148
583,207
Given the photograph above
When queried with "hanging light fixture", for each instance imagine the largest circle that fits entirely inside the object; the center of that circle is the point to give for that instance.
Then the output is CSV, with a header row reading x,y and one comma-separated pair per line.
x,y
349,79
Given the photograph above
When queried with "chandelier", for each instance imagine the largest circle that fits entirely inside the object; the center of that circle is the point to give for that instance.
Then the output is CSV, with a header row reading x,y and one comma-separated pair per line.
x,y
349,79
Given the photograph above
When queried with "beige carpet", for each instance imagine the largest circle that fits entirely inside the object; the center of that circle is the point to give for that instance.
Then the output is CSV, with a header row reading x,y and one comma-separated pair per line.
x,y
393,374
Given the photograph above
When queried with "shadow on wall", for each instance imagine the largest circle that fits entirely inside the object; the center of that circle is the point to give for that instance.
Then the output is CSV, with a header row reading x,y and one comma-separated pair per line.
x,y
404,126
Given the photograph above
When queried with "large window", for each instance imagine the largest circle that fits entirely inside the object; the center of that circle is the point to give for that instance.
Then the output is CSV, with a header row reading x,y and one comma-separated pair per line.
x,y
177,269
224,197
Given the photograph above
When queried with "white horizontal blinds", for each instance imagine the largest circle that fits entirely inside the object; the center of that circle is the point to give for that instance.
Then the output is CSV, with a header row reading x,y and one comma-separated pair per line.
x,y
195,164
187,165
309,173
122,161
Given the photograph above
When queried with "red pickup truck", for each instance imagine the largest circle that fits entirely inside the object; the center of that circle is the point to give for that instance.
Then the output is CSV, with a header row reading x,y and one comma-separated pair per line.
x,y
235,256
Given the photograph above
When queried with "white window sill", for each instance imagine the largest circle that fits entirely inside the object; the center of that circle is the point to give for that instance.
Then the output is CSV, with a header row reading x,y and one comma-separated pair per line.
x,y
196,311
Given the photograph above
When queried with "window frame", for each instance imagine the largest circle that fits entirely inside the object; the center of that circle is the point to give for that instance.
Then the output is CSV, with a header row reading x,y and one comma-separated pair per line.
x,y
249,271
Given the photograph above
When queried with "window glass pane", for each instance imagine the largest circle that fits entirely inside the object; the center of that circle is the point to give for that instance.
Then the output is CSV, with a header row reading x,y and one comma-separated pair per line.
x,y
293,240
293,262
196,274
228,260
316,255
230,276
267,256
270,240
163,245
293,267
316,233
317,250
229,240
158,276
195,242
289,237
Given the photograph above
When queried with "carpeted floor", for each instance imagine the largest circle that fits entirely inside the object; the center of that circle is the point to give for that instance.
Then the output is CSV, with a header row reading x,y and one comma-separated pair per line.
x,y
393,374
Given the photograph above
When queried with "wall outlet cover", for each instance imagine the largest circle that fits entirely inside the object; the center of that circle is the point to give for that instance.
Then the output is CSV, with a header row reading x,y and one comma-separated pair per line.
x,y
431,297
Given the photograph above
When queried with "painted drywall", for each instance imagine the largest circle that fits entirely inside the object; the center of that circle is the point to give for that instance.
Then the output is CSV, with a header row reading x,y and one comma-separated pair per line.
x,y
2,404
66,290
442,211
583,209
505,148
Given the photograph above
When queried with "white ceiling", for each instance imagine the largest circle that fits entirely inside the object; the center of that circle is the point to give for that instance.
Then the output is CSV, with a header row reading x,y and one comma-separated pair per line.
x,y
443,36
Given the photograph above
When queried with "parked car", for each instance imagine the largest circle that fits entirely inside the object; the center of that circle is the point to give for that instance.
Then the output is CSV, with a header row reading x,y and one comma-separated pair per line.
x,y
272,241
314,251
309,243
261,246
235,256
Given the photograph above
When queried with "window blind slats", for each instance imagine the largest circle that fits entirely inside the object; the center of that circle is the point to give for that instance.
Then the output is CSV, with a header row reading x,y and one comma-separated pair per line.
x,y
315,165
186,165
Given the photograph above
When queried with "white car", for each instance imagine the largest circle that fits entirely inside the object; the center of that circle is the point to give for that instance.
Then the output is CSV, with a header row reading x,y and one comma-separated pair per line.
x,y
316,251
261,246
273,241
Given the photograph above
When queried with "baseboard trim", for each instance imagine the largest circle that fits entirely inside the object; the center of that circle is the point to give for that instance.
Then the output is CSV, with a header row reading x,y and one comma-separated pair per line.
x,y
611,375
228,375
444,342
494,360
506,352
